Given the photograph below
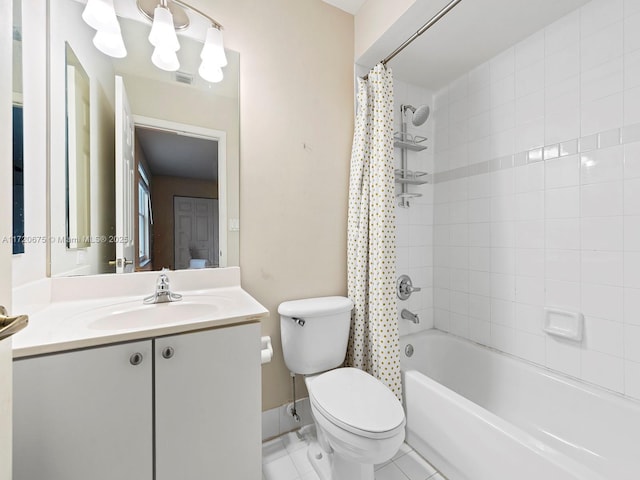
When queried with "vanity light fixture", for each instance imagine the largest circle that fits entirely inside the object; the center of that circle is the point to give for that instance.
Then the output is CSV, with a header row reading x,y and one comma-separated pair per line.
x,y
167,17
212,56
101,16
110,43
163,37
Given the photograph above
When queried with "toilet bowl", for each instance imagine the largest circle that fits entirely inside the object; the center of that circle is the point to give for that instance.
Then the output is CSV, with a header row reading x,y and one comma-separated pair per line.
x,y
359,421
359,418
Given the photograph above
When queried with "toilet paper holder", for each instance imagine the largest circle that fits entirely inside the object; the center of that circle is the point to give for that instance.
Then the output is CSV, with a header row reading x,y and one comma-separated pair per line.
x,y
266,350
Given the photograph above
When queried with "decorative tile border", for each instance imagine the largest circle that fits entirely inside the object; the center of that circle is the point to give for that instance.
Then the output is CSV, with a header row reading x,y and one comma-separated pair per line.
x,y
610,138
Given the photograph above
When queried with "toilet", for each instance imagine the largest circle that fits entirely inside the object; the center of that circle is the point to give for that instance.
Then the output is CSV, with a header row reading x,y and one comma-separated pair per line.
x,y
359,421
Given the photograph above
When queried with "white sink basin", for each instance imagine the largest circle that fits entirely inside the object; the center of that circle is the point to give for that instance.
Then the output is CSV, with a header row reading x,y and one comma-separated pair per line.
x,y
136,315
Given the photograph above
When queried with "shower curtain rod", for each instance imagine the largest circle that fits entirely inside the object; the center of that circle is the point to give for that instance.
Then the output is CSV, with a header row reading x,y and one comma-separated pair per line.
x,y
422,29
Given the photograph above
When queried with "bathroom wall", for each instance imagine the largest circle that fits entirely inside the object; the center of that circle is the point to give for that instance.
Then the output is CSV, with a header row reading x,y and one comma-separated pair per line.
x,y
537,196
414,235
296,124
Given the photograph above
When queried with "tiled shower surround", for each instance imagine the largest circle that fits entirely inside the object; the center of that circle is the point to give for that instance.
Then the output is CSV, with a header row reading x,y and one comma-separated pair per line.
x,y
537,196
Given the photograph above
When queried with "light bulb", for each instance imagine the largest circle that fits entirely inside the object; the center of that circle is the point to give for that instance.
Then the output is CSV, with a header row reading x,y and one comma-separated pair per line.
x,y
163,33
110,43
210,72
101,15
213,49
165,59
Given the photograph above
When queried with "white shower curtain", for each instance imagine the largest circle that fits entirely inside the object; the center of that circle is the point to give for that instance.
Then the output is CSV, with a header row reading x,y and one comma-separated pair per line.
x,y
373,339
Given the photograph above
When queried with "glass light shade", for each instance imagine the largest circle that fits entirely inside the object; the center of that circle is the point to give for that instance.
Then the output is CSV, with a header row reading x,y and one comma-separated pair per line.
x,y
101,15
210,72
213,50
163,33
110,43
165,59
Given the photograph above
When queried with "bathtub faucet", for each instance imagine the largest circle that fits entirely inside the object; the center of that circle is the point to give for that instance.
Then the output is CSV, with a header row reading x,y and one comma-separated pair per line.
x,y
407,315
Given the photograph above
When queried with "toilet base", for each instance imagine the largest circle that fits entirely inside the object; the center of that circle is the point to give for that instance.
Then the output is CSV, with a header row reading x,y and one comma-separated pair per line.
x,y
329,466
320,460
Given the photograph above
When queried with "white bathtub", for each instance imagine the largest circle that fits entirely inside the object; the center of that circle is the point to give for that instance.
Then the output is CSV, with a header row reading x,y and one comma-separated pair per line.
x,y
477,414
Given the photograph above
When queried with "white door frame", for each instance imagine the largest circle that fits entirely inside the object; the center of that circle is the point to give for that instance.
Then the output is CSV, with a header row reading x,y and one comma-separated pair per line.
x,y
207,134
6,230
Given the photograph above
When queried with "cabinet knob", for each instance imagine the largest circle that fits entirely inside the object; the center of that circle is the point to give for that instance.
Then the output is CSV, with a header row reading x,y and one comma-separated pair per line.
x,y
167,352
136,358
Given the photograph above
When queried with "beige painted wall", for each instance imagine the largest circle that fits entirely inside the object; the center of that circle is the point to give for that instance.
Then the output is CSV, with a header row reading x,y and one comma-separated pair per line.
x,y
296,82
373,19
163,189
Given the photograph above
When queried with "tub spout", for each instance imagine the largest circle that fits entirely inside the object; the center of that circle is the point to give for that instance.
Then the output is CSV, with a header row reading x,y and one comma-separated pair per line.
x,y
407,315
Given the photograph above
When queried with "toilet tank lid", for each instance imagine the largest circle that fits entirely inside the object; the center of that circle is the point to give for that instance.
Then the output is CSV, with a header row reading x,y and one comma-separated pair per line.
x,y
310,307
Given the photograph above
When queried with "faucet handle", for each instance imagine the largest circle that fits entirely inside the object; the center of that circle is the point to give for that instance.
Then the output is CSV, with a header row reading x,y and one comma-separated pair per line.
x,y
405,288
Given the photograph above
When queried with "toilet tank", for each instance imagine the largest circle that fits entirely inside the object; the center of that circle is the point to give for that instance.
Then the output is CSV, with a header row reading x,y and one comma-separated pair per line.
x,y
314,333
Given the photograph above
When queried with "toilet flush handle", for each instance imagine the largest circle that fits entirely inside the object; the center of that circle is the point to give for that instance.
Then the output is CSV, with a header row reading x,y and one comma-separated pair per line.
x,y
299,321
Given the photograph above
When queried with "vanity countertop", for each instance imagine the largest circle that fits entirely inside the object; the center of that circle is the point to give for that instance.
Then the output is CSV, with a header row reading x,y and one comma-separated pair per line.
x,y
90,322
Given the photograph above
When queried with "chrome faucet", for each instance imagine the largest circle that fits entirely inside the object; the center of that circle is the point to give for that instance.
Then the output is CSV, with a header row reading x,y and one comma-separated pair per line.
x,y
407,315
163,293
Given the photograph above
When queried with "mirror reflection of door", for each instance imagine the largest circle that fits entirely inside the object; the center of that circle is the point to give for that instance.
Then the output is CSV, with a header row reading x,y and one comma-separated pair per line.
x,y
195,232
125,176
177,172
78,153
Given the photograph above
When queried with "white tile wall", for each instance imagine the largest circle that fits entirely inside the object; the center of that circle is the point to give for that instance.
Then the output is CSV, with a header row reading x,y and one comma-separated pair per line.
x,y
277,421
552,216
415,232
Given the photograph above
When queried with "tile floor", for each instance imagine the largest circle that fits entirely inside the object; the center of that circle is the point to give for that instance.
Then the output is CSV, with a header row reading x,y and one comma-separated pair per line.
x,y
285,458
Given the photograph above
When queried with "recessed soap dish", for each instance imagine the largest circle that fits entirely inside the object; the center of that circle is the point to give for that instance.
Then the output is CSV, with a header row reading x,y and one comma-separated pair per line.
x,y
563,323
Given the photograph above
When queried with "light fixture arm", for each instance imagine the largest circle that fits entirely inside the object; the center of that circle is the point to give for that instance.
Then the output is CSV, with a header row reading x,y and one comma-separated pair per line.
x,y
216,24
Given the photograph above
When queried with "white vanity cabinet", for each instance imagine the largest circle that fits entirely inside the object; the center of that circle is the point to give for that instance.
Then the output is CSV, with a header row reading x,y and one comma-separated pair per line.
x,y
208,405
188,402
84,414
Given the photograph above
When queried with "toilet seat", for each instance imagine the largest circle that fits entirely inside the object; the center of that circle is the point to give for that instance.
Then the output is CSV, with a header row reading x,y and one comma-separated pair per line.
x,y
357,402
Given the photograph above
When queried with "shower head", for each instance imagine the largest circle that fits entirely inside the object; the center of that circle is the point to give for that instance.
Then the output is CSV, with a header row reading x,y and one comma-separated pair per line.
x,y
420,114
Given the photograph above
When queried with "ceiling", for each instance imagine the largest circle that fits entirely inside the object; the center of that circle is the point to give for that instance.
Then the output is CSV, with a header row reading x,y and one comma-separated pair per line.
x,y
349,6
470,34
179,155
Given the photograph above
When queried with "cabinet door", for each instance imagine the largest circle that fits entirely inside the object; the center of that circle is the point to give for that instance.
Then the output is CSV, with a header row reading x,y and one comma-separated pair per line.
x,y
84,415
208,405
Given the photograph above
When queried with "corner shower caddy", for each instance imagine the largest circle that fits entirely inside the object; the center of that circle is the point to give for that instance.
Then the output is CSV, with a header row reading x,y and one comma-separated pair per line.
x,y
405,177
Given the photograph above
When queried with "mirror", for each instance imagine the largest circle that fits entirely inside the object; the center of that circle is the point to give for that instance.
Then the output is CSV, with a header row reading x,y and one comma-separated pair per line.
x,y
18,137
168,203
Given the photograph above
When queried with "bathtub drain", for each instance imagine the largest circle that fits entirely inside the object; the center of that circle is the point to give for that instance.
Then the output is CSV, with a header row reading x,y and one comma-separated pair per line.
x,y
408,350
